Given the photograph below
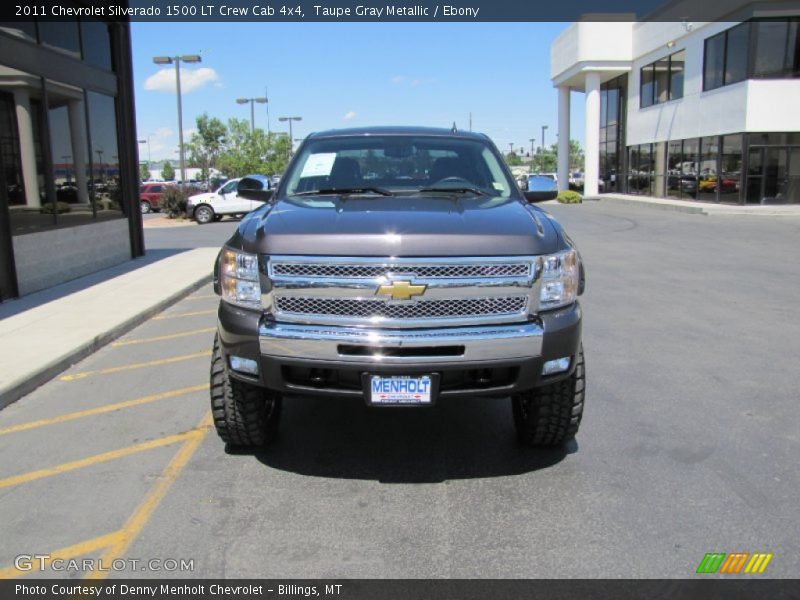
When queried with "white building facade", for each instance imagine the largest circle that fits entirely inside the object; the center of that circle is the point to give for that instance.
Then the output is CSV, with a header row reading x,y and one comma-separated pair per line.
x,y
697,111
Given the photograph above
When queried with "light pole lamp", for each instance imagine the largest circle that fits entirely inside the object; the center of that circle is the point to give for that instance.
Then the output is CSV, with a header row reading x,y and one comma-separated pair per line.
x,y
177,60
252,101
147,141
291,137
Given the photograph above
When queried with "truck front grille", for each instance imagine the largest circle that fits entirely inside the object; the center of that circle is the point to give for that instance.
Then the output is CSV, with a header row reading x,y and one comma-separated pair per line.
x,y
375,271
448,291
368,308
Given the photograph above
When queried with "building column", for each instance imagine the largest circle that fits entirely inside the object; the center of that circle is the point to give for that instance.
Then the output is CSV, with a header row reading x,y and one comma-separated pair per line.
x,y
563,137
27,149
592,136
78,135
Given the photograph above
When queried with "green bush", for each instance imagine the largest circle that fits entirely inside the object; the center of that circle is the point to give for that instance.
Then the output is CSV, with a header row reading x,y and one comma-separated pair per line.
x,y
569,197
173,201
60,207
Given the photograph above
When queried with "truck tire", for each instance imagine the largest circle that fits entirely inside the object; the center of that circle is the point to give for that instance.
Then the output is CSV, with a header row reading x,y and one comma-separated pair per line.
x,y
551,415
244,415
144,206
204,214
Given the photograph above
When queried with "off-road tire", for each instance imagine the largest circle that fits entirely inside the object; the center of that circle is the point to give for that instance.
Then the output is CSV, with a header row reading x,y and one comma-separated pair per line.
x,y
144,207
244,415
551,415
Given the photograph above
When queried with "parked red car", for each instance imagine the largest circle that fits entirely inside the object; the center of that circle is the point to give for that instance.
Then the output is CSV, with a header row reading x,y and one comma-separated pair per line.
x,y
150,195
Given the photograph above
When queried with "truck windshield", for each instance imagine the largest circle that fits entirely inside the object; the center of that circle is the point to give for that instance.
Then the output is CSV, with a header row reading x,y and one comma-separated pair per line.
x,y
399,164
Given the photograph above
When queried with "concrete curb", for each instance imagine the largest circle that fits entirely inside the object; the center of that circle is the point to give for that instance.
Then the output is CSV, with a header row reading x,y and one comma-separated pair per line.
x,y
692,210
17,389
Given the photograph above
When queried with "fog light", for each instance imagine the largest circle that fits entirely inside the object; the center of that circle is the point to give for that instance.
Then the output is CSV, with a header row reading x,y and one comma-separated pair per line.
x,y
558,365
244,365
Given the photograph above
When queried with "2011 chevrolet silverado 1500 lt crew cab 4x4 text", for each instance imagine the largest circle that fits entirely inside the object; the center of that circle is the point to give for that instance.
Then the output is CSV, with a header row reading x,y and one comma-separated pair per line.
x,y
404,266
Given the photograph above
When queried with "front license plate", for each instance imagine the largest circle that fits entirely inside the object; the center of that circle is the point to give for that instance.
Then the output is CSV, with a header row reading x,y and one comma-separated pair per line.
x,y
400,390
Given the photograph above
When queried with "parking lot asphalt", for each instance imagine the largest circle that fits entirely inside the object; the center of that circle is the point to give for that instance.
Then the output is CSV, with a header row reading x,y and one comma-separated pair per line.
x,y
689,442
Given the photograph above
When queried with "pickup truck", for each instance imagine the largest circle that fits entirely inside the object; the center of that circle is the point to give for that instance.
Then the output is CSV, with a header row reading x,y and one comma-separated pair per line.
x,y
429,280
227,200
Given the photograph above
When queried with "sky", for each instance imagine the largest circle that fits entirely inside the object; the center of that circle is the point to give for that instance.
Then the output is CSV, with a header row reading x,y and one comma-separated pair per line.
x,y
336,75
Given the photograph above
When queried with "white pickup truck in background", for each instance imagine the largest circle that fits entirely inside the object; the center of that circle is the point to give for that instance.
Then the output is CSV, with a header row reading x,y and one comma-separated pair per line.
x,y
212,206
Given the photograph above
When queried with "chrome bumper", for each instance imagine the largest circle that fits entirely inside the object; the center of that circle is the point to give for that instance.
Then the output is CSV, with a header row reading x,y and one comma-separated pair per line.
x,y
475,344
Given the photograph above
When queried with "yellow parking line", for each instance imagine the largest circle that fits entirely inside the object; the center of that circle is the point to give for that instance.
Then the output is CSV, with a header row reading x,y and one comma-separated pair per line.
x,y
161,338
187,314
144,511
97,458
80,549
152,363
103,409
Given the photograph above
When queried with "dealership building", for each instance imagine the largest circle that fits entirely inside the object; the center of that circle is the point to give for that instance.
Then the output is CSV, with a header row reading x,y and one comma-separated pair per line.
x,y
68,163
697,111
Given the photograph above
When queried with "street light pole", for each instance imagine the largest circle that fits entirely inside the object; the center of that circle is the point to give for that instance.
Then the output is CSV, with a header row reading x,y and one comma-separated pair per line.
x,y
544,128
511,145
291,137
252,101
533,149
176,60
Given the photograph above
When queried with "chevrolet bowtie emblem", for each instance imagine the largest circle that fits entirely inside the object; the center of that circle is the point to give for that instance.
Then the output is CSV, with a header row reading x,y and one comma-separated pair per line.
x,y
401,290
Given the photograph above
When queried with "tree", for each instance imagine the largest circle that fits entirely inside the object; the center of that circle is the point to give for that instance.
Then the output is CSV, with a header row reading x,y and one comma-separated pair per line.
x,y
546,159
144,171
246,151
167,171
206,143
513,159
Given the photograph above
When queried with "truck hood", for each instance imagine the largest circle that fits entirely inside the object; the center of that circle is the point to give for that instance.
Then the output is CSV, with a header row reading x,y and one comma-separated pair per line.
x,y
436,225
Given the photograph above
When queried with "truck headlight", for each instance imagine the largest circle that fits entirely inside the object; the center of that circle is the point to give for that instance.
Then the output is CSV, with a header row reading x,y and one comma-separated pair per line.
x,y
560,279
238,278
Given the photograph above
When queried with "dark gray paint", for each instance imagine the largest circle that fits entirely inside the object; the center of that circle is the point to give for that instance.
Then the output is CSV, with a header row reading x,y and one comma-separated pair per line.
x,y
439,225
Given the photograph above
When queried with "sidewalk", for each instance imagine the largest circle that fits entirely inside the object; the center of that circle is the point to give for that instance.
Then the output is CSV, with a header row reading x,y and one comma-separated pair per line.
x,y
701,208
44,333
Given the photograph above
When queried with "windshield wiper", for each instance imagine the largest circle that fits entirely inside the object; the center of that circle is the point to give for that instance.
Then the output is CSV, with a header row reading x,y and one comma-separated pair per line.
x,y
455,190
346,191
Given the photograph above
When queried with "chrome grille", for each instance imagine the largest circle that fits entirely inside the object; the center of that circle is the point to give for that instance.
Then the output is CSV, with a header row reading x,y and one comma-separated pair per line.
x,y
422,271
368,308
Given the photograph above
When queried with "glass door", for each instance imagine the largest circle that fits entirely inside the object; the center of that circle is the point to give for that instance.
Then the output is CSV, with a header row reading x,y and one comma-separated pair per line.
x,y
773,175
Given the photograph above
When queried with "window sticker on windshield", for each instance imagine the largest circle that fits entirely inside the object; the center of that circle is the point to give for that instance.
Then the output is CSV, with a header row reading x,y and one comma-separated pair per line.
x,y
319,165
498,186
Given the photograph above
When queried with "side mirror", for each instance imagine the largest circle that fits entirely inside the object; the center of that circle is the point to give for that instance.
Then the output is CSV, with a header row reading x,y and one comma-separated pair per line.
x,y
541,189
254,187
540,196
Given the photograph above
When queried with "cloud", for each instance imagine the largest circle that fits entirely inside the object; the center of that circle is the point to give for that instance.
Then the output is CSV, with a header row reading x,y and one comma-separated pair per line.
x,y
191,79
350,115
398,79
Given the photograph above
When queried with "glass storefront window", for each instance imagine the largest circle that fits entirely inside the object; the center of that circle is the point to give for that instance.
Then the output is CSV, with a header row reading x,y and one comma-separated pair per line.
x,y
22,29
707,179
736,53
96,41
647,89
689,164
61,35
104,182
674,170
661,79
730,175
770,47
676,68
714,62
69,153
